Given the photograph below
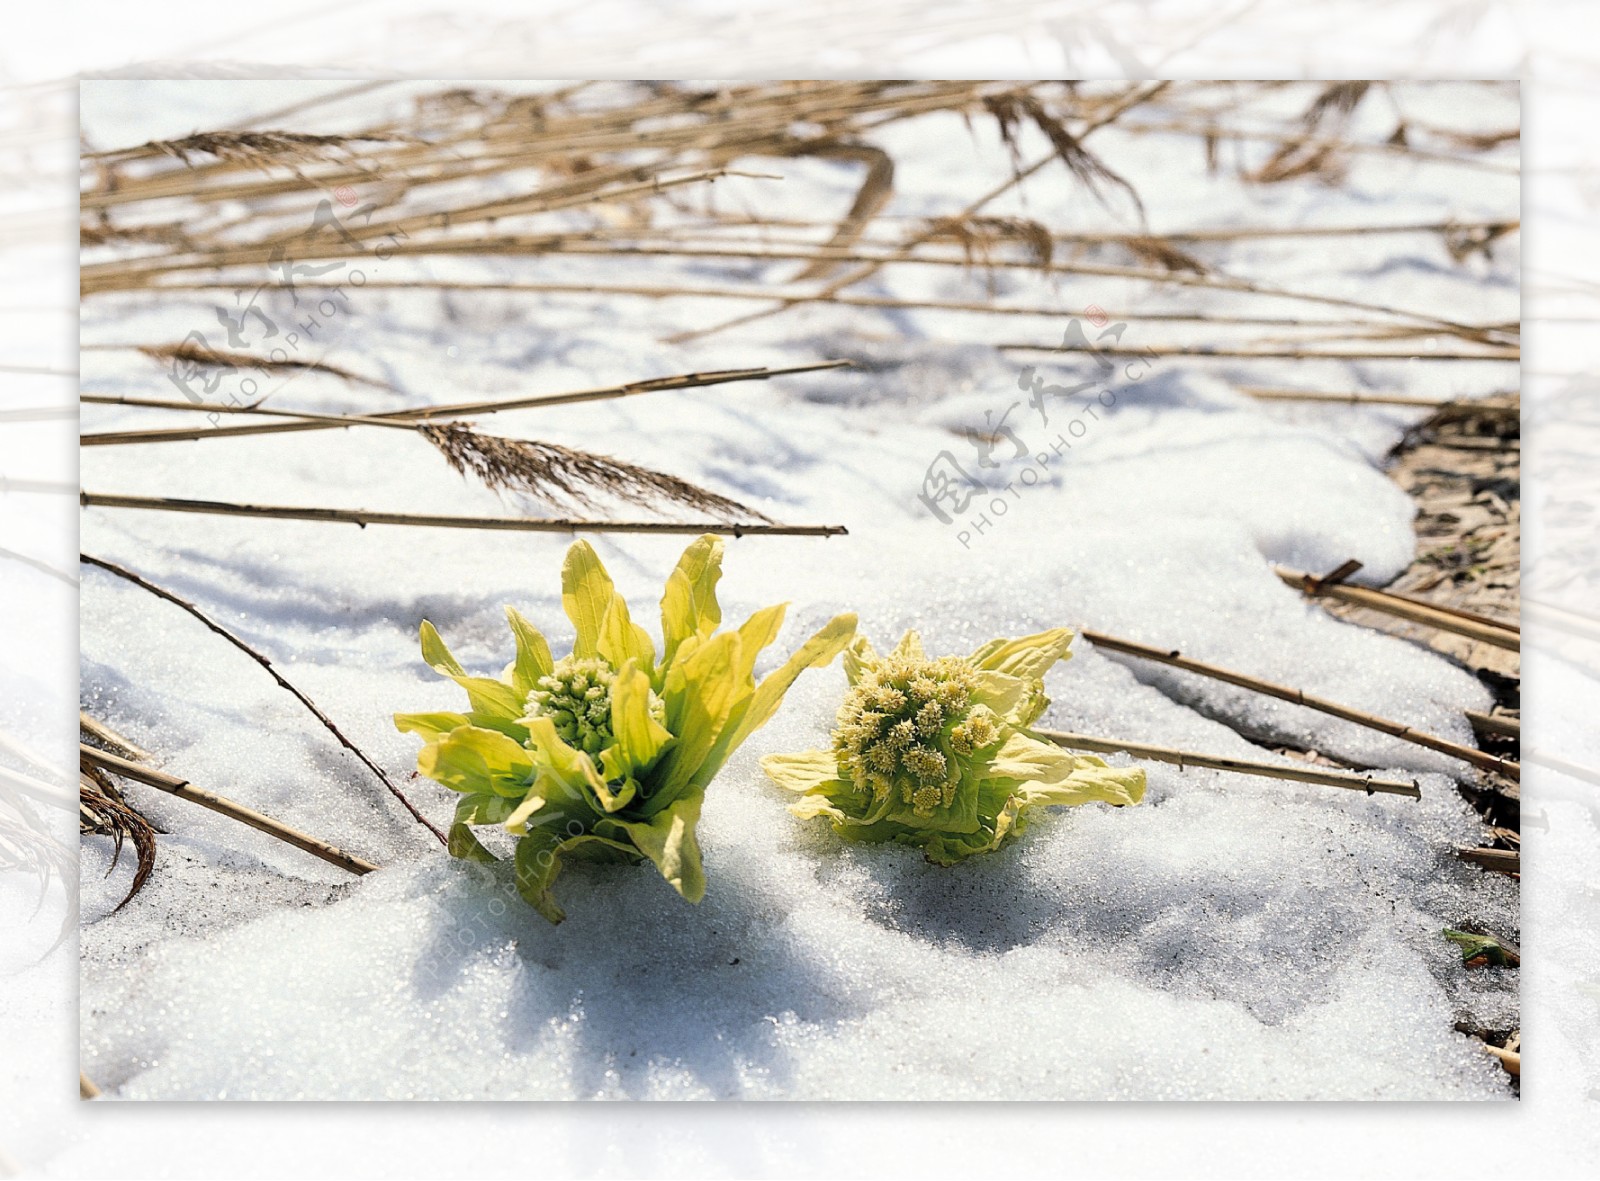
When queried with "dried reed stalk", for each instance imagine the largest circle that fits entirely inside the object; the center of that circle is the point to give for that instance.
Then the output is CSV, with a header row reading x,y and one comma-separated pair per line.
x,y
1130,99
1371,721
183,789
195,354
106,736
1507,861
1274,394
366,517
307,421
1246,353
327,723
38,414
1475,627
1189,758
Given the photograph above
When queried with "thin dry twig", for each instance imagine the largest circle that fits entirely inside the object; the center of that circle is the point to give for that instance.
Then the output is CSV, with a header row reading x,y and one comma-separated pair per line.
x,y
327,723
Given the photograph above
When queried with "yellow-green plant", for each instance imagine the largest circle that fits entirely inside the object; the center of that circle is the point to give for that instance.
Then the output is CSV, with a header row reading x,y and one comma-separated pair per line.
x,y
605,754
937,752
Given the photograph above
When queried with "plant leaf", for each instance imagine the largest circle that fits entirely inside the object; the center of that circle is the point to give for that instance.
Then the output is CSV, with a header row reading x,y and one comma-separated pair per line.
x,y
477,761
586,592
495,704
622,640
429,725
700,691
668,839
757,709
467,847
689,604
639,738
533,654
538,863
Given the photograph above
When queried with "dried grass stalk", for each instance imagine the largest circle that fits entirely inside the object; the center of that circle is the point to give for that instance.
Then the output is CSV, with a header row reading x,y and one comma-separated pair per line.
x,y
366,517
1371,721
183,789
1188,758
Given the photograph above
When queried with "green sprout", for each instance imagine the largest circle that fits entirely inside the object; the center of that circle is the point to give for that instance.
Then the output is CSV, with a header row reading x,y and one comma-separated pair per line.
x,y
937,753
606,754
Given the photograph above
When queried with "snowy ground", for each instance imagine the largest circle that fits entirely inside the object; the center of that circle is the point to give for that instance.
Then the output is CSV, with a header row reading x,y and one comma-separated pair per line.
x,y
1229,938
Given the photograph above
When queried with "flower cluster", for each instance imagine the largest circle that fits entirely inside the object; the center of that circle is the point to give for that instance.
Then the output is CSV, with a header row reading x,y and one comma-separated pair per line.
x,y
606,753
936,752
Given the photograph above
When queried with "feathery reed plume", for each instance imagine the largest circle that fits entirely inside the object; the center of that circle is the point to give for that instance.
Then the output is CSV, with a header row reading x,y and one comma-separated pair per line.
x,y
1162,253
977,236
552,473
258,149
1008,111
1313,153
102,810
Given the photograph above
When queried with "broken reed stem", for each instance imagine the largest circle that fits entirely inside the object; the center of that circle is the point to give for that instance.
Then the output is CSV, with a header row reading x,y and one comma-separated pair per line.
x,y
1510,1059
1189,758
1496,724
327,722
87,1089
1474,627
1561,619
1455,750
1507,861
364,517
183,789
420,414
103,733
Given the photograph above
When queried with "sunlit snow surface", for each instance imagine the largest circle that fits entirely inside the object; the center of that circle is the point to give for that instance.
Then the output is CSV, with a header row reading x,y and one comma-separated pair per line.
x,y
1229,938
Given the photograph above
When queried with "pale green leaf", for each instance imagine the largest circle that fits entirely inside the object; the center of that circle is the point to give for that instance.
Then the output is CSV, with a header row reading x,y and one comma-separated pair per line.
x,y
689,605
622,640
586,591
533,654
757,709
668,839
474,760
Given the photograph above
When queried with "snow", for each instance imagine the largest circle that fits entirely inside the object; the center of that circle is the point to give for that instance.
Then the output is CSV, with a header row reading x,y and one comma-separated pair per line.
x,y
1228,938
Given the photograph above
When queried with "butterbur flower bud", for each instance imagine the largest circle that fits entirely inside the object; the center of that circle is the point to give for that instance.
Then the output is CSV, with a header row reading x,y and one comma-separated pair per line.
x,y
607,753
936,752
